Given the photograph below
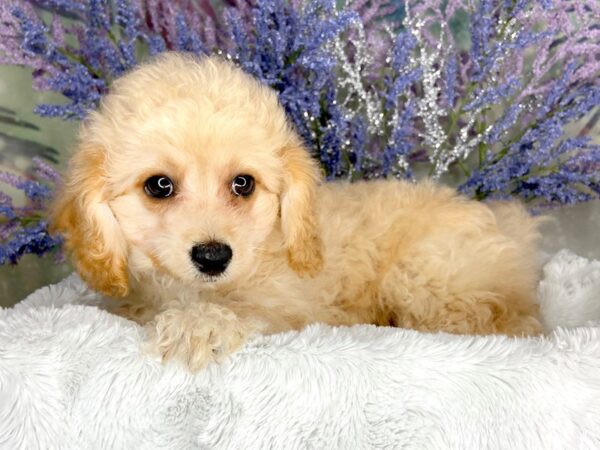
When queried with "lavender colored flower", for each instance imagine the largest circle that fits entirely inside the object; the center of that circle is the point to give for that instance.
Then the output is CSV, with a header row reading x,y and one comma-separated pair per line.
x,y
22,228
44,171
450,80
507,120
287,51
109,36
481,32
401,145
491,96
30,239
32,189
482,89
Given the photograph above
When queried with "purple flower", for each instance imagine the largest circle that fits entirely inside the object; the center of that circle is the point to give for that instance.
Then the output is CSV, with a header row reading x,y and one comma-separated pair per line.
x,y
187,39
505,82
45,171
32,189
508,119
481,32
492,95
32,239
401,145
287,51
23,229
450,80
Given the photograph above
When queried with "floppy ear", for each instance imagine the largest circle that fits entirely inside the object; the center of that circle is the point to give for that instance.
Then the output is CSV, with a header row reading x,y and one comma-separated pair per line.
x,y
92,234
298,218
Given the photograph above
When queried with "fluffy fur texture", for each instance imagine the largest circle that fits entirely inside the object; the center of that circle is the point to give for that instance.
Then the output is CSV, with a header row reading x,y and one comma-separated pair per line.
x,y
382,252
73,377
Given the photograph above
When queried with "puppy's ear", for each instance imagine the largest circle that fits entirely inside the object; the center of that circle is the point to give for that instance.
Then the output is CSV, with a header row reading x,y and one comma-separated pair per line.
x,y
298,215
92,234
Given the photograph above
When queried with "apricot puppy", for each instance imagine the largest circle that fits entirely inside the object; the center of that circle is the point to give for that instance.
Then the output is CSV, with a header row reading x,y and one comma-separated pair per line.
x,y
193,204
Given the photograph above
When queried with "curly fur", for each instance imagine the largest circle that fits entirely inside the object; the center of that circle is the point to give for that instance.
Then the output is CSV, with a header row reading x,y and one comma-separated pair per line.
x,y
381,252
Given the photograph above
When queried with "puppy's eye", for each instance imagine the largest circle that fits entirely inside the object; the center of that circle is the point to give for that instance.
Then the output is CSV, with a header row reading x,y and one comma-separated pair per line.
x,y
242,185
159,186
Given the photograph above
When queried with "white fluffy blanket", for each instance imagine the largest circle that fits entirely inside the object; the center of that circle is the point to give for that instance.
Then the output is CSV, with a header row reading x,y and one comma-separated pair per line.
x,y
72,376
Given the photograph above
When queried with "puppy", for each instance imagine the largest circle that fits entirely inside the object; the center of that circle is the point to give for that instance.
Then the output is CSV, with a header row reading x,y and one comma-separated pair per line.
x,y
193,204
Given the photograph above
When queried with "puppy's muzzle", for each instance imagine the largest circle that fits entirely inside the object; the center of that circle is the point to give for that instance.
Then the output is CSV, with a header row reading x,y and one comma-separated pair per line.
x,y
211,258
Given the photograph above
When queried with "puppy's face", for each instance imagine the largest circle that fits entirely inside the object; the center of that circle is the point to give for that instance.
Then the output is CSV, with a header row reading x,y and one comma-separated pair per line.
x,y
196,194
187,170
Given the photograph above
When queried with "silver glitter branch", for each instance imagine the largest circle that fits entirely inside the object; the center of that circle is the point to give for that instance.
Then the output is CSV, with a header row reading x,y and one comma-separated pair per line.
x,y
353,83
428,107
445,144
466,139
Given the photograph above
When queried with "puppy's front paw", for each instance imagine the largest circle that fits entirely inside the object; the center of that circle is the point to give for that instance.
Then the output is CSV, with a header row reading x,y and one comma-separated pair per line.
x,y
196,335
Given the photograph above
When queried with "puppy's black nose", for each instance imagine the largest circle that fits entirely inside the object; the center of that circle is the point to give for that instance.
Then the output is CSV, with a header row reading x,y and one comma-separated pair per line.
x,y
211,258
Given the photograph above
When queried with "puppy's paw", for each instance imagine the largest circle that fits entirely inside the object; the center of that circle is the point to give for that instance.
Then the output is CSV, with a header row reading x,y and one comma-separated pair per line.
x,y
195,335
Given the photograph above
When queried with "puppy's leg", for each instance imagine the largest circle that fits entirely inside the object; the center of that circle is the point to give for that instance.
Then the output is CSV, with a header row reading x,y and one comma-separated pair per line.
x,y
466,281
421,304
196,333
